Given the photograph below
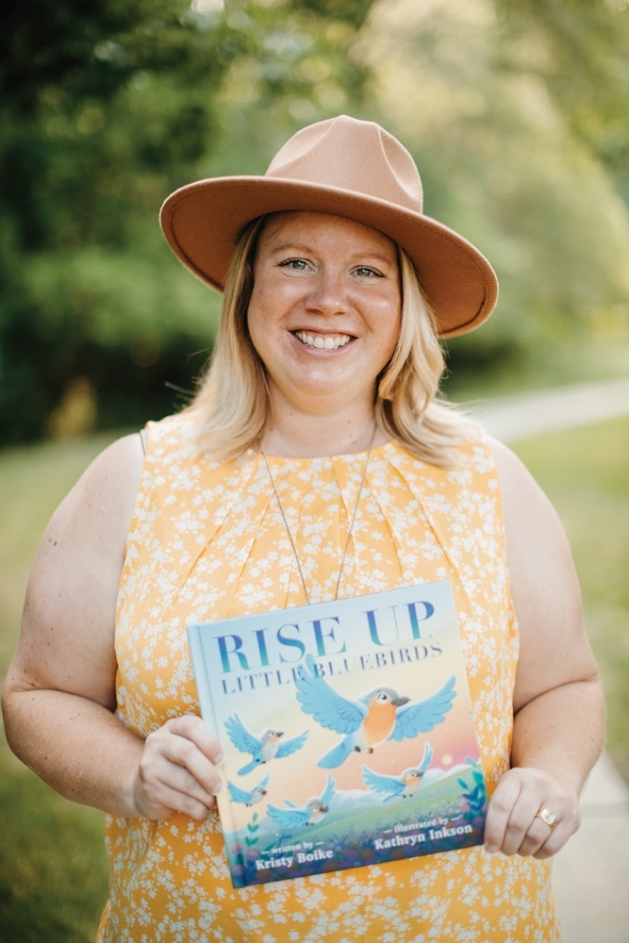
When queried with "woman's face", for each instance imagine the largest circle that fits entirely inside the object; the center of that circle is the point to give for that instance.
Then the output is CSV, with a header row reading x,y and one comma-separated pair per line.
x,y
324,315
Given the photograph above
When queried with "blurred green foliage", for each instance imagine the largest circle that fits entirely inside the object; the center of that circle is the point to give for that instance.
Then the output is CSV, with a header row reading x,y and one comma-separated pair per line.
x,y
516,114
580,50
106,107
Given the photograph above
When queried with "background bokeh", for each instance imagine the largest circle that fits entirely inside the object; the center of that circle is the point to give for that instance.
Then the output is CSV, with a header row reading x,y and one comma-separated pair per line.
x,y
515,112
517,115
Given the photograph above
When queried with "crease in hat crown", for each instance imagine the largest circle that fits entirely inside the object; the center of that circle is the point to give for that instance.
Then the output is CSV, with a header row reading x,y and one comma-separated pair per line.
x,y
353,155
343,167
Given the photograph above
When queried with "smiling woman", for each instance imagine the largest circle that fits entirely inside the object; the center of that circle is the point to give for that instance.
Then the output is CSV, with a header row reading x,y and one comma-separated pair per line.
x,y
324,317
314,463
327,284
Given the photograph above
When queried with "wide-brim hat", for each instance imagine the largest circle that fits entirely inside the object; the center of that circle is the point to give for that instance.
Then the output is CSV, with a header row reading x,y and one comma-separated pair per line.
x,y
349,168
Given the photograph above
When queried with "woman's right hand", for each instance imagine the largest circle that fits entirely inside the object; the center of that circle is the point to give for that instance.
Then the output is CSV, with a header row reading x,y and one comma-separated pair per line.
x,y
61,686
177,770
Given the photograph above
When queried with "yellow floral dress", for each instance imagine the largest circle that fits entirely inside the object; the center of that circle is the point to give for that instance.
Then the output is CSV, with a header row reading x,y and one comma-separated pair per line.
x,y
207,542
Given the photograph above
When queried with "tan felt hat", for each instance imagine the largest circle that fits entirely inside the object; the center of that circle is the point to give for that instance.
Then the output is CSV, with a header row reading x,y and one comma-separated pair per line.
x,y
349,168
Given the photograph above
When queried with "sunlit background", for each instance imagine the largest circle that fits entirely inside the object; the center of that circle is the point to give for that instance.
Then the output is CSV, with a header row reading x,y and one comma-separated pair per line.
x,y
515,112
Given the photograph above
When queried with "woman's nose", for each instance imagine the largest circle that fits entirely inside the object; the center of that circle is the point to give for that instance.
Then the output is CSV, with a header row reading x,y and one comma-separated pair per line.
x,y
329,294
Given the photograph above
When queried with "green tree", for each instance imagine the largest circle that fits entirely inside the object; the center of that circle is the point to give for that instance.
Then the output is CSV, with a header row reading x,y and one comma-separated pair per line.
x,y
107,107
580,50
492,98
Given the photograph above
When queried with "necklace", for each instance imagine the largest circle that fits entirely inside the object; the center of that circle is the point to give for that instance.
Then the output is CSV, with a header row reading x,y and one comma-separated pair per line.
x,y
349,532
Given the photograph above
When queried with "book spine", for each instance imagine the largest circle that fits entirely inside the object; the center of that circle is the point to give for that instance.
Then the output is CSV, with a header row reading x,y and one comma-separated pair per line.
x,y
199,669
204,691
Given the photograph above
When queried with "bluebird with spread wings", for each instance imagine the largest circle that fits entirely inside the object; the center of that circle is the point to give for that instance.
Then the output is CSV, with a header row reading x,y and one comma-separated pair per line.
x,y
309,814
248,797
263,748
378,715
403,786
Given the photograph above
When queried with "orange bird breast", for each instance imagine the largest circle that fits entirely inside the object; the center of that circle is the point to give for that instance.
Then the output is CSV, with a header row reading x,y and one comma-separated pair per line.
x,y
378,724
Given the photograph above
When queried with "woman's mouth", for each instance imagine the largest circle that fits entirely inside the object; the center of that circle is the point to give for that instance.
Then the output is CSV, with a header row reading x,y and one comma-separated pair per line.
x,y
323,341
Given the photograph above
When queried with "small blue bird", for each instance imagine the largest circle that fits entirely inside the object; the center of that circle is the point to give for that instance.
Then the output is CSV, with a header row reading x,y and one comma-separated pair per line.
x,y
398,787
263,748
309,814
380,714
248,796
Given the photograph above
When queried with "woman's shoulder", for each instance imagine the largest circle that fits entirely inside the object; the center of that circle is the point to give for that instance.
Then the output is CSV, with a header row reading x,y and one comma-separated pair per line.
x,y
174,431
176,440
115,473
80,558
104,496
527,508
467,447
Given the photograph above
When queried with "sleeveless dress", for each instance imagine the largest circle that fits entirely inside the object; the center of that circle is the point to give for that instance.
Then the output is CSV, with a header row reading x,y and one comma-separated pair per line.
x,y
207,541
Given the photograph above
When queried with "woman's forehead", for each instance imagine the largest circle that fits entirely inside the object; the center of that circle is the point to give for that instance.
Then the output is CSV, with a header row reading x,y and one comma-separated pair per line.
x,y
299,227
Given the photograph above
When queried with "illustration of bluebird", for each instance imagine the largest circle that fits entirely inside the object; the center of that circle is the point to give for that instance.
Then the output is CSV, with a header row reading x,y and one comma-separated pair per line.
x,y
398,787
249,796
263,748
309,814
378,715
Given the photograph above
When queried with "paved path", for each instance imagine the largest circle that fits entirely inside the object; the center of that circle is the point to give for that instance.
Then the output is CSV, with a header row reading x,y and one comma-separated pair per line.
x,y
591,874
524,415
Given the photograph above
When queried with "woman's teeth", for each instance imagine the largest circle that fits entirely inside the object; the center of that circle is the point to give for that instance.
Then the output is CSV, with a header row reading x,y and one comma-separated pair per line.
x,y
323,342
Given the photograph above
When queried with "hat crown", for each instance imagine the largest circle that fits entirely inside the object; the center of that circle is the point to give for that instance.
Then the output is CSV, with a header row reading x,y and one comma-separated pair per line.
x,y
354,155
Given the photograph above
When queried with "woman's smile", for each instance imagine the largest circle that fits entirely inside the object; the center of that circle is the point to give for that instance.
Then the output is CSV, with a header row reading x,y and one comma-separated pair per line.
x,y
321,341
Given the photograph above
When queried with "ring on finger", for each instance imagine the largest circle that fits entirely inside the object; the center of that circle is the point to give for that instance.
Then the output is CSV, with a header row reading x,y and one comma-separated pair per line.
x,y
549,817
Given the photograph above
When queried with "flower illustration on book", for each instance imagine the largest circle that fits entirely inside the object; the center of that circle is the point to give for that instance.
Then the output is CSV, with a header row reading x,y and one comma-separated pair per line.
x,y
266,747
249,797
403,786
378,715
311,813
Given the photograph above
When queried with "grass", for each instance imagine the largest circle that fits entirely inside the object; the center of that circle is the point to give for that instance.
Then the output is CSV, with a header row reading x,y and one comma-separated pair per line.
x,y
53,869
585,472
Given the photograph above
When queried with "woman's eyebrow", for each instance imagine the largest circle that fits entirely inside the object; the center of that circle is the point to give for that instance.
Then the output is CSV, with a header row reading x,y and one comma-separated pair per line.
x,y
295,246
376,255
367,254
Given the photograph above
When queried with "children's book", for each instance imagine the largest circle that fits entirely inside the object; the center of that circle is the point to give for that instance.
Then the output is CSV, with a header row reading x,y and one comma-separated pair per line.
x,y
347,732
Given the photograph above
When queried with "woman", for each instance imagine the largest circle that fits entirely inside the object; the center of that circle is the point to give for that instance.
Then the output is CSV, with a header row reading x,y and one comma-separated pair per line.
x,y
314,462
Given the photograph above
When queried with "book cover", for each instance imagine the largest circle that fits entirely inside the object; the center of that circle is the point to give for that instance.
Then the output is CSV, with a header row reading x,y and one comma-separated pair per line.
x,y
347,733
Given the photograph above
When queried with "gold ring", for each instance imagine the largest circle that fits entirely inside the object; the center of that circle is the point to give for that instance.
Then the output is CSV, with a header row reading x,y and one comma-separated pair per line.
x,y
548,817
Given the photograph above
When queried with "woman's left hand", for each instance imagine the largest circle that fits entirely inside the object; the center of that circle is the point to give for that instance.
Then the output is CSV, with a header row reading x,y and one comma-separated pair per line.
x,y
513,824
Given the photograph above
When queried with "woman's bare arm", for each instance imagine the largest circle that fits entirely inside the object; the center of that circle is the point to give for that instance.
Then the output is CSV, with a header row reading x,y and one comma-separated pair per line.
x,y
59,694
558,703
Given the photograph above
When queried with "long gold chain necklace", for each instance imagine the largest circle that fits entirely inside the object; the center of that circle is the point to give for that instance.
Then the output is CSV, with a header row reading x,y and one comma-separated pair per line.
x,y
349,532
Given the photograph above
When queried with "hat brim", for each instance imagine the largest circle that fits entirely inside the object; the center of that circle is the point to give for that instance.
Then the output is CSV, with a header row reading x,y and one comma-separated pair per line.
x,y
203,221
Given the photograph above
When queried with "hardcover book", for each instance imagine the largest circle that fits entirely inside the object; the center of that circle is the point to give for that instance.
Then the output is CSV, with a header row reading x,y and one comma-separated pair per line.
x,y
347,732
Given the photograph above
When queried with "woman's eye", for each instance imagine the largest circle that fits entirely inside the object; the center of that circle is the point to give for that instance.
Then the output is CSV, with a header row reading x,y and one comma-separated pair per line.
x,y
365,270
297,264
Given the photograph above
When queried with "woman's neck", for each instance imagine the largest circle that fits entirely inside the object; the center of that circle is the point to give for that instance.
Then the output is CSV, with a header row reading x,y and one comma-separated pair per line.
x,y
294,434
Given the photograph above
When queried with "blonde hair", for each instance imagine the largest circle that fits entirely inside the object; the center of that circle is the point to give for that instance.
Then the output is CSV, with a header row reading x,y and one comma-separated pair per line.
x,y
233,399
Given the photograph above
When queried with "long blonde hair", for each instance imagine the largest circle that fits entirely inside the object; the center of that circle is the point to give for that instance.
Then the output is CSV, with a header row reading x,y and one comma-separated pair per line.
x,y
233,400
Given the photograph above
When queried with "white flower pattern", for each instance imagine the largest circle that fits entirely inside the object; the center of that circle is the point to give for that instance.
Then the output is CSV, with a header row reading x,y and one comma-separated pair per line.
x,y
207,542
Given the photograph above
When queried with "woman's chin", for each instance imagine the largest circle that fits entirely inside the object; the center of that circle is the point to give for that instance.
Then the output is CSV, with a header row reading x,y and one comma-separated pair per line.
x,y
328,387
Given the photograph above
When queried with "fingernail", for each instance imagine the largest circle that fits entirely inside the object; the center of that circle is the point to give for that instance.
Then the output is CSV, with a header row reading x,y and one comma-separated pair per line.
x,y
219,760
491,849
217,789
